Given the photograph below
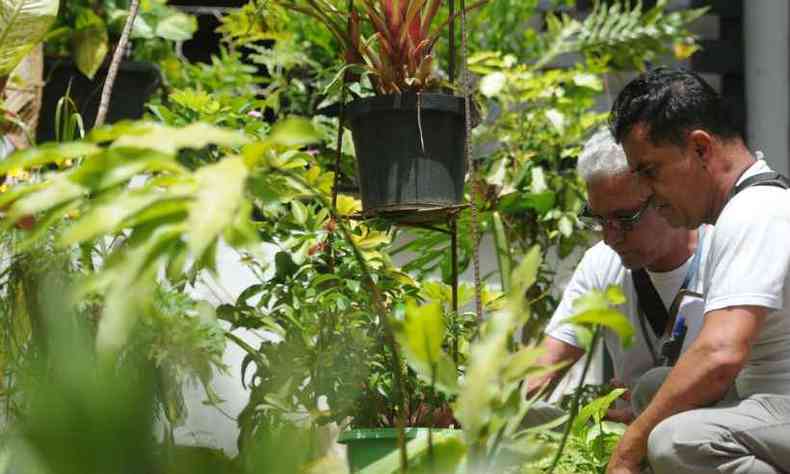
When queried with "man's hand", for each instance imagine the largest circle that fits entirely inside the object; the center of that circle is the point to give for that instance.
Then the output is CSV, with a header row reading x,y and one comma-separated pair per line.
x,y
620,415
628,455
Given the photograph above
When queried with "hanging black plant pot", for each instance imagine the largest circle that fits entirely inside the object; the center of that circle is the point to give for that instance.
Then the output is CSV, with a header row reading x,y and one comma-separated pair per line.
x,y
410,152
134,84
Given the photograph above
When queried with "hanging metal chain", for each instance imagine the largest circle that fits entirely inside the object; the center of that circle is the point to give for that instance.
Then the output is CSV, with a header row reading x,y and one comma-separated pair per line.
x,y
466,85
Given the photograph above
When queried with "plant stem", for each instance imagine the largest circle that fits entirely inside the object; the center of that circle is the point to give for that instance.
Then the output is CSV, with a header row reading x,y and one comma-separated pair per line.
x,y
112,72
575,404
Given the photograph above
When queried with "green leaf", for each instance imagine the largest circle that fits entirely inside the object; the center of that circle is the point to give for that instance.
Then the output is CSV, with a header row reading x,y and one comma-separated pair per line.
x,y
59,191
492,84
299,211
565,226
542,202
590,81
596,410
176,27
293,132
105,218
23,23
199,101
614,295
169,140
503,255
89,42
46,154
523,278
220,191
609,318
421,335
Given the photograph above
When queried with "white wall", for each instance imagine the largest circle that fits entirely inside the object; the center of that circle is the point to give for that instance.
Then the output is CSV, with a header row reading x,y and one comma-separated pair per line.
x,y
765,31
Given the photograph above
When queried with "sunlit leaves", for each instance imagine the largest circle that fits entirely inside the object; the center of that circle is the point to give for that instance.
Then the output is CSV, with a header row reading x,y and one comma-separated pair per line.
x,y
347,205
220,190
421,335
524,276
595,410
169,140
22,25
293,132
595,308
89,42
48,153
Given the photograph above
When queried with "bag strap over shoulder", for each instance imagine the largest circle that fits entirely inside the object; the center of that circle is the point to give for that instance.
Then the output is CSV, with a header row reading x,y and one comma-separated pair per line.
x,y
771,178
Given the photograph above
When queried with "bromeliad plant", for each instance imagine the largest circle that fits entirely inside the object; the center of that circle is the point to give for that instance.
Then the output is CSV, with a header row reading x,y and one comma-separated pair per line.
x,y
398,55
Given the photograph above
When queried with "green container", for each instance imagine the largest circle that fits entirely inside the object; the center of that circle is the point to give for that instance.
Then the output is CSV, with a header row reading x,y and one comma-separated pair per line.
x,y
366,446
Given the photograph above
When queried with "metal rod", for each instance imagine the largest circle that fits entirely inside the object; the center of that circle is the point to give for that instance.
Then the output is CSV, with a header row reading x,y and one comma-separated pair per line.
x,y
454,265
451,33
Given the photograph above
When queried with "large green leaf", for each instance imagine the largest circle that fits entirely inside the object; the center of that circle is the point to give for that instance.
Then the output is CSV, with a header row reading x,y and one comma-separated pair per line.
x,y
22,25
176,27
90,42
596,410
169,140
48,153
421,335
220,193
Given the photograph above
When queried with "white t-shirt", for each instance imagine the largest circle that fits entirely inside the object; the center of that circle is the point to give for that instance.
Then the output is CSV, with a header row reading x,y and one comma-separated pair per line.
x,y
748,265
601,267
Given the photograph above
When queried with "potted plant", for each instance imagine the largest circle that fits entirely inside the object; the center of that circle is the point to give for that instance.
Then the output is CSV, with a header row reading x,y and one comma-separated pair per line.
x,y
77,57
409,137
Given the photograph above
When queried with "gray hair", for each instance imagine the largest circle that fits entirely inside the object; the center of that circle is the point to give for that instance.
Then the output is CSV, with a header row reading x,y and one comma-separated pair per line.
x,y
601,157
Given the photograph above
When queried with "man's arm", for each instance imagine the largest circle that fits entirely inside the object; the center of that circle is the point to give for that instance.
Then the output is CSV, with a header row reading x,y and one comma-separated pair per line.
x,y
556,351
702,376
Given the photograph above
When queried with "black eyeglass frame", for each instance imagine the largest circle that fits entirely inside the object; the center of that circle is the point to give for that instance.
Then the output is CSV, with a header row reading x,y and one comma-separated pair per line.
x,y
623,223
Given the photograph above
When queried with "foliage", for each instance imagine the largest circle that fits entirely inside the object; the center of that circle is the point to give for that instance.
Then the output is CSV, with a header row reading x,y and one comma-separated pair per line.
x,y
140,208
592,439
398,54
86,29
22,25
535,120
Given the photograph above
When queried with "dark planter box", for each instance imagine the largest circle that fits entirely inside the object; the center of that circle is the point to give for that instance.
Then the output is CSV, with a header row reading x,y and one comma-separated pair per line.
x,y
409,160
134,85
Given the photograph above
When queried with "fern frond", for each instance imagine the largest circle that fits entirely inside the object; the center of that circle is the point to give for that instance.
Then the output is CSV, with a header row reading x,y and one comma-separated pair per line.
x,y
622,31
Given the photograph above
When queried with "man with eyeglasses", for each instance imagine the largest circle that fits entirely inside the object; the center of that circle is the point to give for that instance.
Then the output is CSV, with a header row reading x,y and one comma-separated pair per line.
x,y
725,406
649,259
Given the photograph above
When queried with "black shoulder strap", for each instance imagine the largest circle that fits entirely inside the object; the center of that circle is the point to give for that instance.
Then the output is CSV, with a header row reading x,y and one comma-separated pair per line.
x,y
650,302
771,178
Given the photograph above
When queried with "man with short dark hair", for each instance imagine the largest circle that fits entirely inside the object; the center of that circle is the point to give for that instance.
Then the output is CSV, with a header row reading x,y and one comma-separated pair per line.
x,y
725,406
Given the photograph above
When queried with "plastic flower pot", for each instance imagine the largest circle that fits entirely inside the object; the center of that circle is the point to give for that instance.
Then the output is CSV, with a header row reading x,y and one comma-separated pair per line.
x,y
367,446
410,151
134,84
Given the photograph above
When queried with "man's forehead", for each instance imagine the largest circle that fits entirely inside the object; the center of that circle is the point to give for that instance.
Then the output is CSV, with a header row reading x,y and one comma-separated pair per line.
x,y
615,186
636,145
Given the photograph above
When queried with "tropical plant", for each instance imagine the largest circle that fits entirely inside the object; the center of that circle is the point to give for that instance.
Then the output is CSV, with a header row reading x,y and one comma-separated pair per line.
x,y
87,29
398,55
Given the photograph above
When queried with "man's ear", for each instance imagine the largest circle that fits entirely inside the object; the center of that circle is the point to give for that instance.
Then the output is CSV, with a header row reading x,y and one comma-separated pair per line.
x,y
701,144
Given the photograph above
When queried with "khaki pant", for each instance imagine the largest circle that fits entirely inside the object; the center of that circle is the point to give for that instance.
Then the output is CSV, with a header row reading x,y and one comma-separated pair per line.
x,y
750,435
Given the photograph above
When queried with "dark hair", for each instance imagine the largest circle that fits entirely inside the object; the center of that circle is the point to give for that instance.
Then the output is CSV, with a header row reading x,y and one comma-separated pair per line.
x,y
670,102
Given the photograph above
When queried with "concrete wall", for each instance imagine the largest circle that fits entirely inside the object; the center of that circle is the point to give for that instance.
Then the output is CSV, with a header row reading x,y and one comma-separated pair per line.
x,y
766,70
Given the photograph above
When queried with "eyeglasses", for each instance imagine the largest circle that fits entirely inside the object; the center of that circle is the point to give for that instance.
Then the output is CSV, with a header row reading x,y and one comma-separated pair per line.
x,y
623,222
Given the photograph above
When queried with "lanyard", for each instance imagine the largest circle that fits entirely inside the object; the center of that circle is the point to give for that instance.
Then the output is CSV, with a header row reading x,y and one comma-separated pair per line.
x,y
649,303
